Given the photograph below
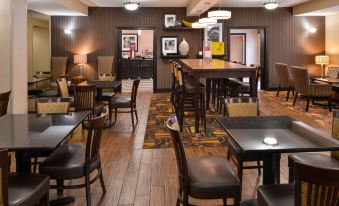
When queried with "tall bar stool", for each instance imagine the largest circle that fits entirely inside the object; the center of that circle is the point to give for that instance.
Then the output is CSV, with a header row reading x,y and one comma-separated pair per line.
x,y
171,68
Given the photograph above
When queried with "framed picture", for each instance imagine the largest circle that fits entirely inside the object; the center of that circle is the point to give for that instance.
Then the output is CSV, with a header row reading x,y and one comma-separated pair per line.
x,y
169,20
169,45
127,39
213,33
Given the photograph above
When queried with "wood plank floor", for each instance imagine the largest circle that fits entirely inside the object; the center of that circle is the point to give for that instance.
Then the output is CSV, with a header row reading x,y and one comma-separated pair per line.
x,y
134,176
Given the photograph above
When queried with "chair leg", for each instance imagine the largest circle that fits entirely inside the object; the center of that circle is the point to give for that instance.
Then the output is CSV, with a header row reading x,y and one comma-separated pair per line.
x,y
60,185
132,116
277,178
278,90
240,170
259,165
330,103
35,162
295,98
185,199
136,114
115,114
102,179
88,188
45,199
307,103
288,94
224,201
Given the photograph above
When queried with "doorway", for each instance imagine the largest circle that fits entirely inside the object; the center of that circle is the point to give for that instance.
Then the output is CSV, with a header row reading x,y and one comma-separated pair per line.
x,y
248,45
141,63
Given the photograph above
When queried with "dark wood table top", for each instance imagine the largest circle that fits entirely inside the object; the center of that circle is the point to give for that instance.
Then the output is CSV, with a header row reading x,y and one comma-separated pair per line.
x,y
197,65
103,84
37,132
329,80
36,80
291,135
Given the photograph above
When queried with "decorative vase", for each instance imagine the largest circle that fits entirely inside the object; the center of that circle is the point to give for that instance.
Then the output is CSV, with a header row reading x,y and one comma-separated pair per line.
x,y
184,48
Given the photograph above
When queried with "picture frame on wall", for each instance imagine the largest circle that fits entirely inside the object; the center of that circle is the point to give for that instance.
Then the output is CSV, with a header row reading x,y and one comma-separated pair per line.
x,y
169,45
213,33
126,40
169,20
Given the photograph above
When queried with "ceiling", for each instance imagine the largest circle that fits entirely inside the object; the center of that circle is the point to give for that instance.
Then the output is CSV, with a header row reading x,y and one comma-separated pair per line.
x,y
183,3
53,8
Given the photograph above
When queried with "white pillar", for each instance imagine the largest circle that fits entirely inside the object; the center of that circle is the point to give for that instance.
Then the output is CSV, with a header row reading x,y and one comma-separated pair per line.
x,y
19,57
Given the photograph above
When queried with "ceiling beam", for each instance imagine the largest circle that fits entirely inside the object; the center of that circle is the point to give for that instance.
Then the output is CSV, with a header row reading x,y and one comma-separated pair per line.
x,y
74,5
197,7
314,5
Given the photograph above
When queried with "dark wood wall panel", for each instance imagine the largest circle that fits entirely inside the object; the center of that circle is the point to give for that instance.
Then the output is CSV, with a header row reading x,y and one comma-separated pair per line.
x,y
288,38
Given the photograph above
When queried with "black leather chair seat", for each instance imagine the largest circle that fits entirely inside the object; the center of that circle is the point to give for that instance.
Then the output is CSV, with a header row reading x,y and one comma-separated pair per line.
x,y
120,102
211,178
66,162
49,93
320,160
276,195
26,189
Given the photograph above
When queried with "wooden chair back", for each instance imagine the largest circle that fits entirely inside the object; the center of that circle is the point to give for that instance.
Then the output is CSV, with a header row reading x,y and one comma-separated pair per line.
x,y
257,73
4,99
63,88
96,126
316,186
58,67
242,106
335,132
4,177
84,97
55,105
134,93
282,74
173,126
301,79
105,65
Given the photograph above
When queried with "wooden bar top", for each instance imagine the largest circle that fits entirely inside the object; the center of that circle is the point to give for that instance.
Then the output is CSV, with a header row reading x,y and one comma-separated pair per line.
x,y
212,65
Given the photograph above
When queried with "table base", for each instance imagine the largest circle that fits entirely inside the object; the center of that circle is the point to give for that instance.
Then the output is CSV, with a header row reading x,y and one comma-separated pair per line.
x,y
62,201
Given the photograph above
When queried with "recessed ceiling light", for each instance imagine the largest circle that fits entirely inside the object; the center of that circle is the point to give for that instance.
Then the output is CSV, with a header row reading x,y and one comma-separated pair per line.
x,y
130,5
271,4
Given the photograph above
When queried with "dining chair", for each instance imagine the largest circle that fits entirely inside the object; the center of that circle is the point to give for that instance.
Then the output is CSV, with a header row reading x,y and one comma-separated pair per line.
x,y
314,185
209,177
309,90
285,80
56,105
124,102
84,99
106,73
245,87
58,68
64,92
320,160
4,99
235,107
74,161
17,189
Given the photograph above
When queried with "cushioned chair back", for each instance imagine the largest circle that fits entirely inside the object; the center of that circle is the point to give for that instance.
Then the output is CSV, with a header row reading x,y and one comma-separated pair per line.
x,y
4,177
173,126
94,137
84,97
4,99
43,74
135,91
105,64
282,74
301,79
242,106
62,86
332,71
316,186
335,132
54,105
58,67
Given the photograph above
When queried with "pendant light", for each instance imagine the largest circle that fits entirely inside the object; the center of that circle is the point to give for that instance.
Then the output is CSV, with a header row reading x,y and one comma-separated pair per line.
x,y
198,24
220,14
208,21
271,4
131,5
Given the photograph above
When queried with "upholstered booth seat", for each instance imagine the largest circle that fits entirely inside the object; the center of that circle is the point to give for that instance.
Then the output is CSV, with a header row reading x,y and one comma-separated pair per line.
x,y
26,189
211,177
276,195
121,102
67,162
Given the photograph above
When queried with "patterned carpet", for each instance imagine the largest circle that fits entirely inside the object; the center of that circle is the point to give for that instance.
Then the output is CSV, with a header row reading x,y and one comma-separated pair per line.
x,y
157,135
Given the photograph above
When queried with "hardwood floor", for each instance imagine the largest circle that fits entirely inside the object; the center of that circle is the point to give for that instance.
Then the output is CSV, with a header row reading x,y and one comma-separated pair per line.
x,y
137,176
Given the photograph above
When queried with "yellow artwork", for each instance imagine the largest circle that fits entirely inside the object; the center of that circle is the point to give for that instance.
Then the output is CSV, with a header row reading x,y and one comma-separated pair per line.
x,y
218,48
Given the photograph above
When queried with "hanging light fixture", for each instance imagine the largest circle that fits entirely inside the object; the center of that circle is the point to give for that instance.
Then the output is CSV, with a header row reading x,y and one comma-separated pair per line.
x,y
220,14
208,21
198,24
271,4
131,5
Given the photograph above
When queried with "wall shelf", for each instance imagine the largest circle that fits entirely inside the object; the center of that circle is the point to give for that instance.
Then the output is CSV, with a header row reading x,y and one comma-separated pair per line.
x,y
179,28
174,56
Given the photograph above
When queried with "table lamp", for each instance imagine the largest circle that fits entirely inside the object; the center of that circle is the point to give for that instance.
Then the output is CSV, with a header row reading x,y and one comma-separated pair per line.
x,y
322,60
80,59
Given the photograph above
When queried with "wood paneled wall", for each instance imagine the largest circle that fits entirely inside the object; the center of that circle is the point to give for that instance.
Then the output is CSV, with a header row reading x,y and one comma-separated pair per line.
x,y
288,39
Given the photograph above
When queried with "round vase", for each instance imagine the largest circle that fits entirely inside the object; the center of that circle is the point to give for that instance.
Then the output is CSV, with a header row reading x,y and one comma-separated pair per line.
x,y
184,48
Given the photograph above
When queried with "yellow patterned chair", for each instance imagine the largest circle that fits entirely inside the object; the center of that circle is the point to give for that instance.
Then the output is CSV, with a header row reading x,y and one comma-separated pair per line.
x,y
52,105
314,186
241,107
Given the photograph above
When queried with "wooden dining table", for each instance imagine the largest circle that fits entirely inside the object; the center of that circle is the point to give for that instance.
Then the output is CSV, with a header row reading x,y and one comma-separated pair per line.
x,y
215,68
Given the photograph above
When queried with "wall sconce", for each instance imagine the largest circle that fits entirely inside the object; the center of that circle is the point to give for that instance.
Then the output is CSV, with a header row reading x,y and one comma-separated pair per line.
x,y
312,30
67,31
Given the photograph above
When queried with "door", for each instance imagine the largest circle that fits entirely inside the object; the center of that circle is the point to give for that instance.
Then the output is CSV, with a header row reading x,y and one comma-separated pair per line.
x,y
238,47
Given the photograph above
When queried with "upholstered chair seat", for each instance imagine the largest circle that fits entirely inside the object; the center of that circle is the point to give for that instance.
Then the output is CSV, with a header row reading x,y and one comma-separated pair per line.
x,y
49,93
26,189
121,102
276,195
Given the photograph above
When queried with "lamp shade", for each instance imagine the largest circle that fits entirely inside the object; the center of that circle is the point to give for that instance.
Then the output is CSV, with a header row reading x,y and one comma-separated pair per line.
x,y
322,59
80,59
